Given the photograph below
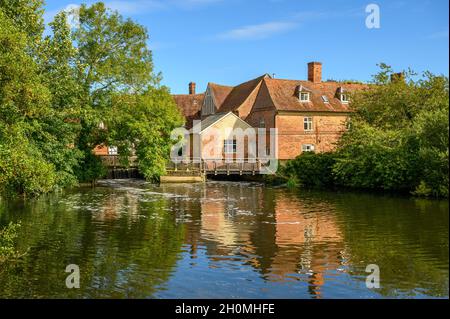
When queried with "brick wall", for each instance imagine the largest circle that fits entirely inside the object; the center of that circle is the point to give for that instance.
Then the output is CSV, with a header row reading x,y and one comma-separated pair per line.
x,y
327,130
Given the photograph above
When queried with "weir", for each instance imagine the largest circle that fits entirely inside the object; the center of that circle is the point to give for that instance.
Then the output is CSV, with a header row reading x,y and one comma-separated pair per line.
x,y
118,169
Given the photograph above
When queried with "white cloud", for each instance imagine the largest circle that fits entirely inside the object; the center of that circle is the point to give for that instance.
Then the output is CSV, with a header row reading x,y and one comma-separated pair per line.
x,y
258,31
70,9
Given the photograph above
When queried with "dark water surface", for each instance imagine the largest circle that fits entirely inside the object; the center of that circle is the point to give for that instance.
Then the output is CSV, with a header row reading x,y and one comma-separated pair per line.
x,y
132,239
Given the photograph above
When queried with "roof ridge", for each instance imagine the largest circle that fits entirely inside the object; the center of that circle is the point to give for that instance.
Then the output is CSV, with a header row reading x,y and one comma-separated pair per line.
x,y
228,86
253,85
269,93
187,94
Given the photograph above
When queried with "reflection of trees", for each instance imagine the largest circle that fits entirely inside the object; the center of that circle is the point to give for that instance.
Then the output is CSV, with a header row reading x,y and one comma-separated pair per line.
x,y
407,239
120,253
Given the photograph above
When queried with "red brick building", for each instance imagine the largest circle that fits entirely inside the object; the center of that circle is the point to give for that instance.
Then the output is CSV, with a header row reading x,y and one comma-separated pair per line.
x,y
310,115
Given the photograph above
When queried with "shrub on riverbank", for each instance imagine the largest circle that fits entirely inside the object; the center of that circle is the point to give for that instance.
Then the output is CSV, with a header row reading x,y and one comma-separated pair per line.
x,y
398,140
311,170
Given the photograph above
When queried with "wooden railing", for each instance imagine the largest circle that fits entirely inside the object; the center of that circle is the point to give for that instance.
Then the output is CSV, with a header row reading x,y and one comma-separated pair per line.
x,y
217,166
114,161
194,167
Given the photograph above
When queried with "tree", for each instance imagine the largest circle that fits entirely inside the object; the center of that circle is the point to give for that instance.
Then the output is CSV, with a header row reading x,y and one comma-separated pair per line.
x,y
144,127
399,136
60,128
24,102
119,90
112,59
27,16
57,90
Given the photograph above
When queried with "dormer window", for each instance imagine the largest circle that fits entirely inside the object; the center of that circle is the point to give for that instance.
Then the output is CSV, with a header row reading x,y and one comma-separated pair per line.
x,y
303,93
345,98
304,96
343,95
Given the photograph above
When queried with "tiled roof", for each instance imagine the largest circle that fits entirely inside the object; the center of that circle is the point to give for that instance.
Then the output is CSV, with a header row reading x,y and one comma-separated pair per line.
x,y
190,106
283,95
220,92
268,93
240,94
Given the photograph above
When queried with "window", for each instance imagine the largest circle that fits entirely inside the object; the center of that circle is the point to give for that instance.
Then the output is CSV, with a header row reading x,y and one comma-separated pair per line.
x,y
308,148
308,123
262,122
344,98
112,150
229,146
304,96
325,99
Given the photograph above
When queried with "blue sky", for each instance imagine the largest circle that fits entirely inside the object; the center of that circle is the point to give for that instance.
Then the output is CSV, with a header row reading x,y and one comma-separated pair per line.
x,y
232,41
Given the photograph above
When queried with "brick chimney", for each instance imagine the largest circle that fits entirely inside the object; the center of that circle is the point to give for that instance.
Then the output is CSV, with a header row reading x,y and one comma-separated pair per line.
x,y
315,72
192,88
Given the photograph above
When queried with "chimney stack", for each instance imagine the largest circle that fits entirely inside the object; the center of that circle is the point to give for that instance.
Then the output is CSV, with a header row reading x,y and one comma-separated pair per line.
x,y
192,88
315,72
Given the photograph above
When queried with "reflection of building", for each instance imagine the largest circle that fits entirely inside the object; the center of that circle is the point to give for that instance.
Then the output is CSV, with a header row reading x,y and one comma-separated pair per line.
x,y
308,242
280,235
116,205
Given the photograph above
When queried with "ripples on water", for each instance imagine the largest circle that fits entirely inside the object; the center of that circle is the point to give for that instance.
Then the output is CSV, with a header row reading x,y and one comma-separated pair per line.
x,y
133,239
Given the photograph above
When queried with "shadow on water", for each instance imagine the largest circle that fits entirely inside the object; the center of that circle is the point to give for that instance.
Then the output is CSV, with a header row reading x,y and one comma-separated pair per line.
x,y
133,239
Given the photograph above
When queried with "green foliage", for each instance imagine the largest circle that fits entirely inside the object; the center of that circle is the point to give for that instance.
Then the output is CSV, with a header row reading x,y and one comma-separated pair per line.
x,y
8,236
373,159
310,170
27,15
399,136
56,90
115,71
23,169
92,168
145,127
398,140
24,102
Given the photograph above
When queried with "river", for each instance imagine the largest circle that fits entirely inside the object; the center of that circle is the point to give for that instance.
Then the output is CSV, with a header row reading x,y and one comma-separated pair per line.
x,y
133,239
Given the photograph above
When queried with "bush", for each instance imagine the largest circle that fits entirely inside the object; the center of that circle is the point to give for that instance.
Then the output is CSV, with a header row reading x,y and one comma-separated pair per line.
x,y
311,170
23,169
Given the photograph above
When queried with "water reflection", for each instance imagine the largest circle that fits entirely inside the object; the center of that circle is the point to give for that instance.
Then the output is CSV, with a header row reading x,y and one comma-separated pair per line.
x,y
224,239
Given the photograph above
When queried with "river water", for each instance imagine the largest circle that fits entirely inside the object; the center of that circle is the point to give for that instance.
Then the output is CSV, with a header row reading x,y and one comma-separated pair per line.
x,y
133,239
